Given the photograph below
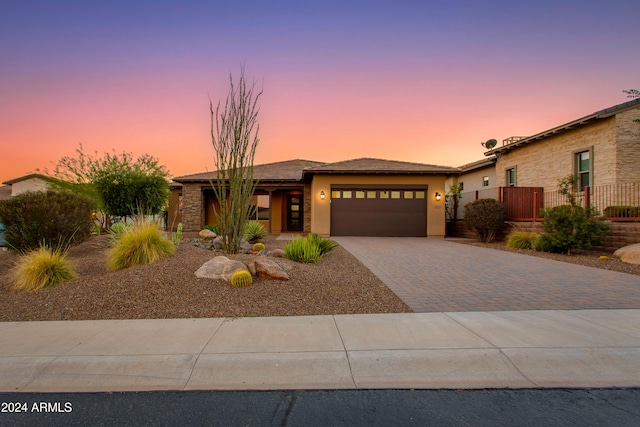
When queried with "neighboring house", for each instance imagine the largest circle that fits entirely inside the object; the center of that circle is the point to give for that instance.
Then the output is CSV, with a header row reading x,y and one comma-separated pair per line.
x,y
31,182
364,197
602,148
478,181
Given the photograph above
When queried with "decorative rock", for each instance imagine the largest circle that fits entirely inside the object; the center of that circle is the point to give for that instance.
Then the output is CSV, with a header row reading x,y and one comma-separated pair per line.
x,y
251,266
212,268
246,246
207,234
231,267
270,269
217,242
278,253
629,254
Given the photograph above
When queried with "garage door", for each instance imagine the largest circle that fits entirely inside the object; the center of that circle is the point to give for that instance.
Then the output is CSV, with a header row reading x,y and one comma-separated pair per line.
x,y
358,211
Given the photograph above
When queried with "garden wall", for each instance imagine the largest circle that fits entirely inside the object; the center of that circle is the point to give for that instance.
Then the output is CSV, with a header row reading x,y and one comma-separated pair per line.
x,y
620,233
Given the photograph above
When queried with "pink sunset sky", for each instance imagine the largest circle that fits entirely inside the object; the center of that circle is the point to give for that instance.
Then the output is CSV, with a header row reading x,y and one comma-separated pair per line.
x,y
419,81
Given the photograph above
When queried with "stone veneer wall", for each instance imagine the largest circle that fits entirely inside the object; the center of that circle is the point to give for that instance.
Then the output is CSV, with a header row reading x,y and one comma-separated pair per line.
x,y
192,207
306,194
628,147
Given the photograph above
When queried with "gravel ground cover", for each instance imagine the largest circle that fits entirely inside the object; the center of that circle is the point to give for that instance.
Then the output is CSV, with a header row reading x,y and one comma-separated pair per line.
x,y
337,284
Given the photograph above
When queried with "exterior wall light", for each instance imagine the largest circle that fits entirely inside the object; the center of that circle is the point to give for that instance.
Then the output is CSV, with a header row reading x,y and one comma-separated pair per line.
x,y
438,197
322,195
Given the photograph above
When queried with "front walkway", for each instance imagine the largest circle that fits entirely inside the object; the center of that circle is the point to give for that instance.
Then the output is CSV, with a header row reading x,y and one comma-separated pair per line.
x,y
435,275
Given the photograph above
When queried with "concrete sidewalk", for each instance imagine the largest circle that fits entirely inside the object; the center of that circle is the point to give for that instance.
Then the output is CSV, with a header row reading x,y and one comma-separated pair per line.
x,y
585,348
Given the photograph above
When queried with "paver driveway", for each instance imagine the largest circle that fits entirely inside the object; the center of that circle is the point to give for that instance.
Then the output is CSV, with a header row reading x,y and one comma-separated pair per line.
x,y
441,275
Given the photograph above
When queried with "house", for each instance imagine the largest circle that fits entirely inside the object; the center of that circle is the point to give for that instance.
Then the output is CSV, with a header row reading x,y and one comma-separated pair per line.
x,y
31,182
602,148
363,197
477,181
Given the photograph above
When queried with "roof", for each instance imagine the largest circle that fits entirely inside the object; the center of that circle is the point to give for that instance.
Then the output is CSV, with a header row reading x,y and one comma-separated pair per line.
x,y
479,164
379,166
297,170
288,170
26,177
591,118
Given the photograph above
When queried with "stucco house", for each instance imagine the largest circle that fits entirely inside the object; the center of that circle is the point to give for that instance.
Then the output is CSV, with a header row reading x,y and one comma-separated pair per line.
x,y
31,182
478,181
362,197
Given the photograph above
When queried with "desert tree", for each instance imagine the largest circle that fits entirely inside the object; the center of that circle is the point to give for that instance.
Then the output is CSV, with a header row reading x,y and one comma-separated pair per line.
x,y
235,137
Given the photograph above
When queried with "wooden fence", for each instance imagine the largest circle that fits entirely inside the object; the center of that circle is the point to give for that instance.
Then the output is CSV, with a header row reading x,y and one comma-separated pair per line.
x,y
522,203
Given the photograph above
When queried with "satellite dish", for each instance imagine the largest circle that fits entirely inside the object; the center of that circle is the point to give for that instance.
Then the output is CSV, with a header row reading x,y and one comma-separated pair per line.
x,y
489,144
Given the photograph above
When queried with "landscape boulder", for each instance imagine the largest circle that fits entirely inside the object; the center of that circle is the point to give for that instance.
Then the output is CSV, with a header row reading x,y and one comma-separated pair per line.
x,y
629,254
278,253
220,267
207,234
270,269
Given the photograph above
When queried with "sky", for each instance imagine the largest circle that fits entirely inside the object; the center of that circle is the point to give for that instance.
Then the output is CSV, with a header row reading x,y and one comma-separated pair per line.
x,y
421,81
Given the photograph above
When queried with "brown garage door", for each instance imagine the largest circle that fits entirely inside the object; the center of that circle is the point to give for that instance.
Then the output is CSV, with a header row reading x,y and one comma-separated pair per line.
x,y
359,211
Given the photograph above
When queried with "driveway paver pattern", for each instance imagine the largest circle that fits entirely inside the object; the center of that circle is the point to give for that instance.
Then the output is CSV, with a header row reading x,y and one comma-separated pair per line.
x,y
439,275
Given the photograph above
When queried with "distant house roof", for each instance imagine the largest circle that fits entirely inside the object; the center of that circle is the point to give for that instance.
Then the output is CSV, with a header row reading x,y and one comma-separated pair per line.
x,y
288,170
297,170
479,164
26,177
591,118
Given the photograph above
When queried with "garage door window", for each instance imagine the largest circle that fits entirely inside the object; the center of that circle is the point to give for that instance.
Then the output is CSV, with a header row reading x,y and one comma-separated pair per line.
x,y
377,194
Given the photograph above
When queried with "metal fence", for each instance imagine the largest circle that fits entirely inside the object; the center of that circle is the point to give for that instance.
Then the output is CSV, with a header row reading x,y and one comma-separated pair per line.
x,y
615,202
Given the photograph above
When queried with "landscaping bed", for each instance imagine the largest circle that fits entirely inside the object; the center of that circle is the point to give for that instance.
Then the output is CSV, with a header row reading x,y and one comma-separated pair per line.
x,y
337,284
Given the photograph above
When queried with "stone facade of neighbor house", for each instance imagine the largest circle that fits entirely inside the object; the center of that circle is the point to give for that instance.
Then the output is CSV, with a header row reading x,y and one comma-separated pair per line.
x,y
610,137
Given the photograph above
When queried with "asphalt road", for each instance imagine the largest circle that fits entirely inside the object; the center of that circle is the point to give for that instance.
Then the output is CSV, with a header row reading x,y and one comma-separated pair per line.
x,y
525,407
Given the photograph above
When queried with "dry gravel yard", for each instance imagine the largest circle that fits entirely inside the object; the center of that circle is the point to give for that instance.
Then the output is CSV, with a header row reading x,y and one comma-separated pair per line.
x,y
337,284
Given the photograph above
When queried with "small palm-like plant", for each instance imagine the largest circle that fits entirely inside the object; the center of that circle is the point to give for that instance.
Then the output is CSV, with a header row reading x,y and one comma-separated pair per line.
x,y
241,279
42,268
254,230
144,244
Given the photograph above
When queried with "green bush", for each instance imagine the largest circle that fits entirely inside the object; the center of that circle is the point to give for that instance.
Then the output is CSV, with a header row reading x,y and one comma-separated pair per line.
x,y
544,243
325,245
485,217
573,227
622,212
57,218
522,239
42,268
144,244
254,230
302,250
241,279
213,227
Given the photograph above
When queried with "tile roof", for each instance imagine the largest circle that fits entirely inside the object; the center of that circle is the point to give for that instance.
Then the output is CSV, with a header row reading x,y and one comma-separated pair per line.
x,y
370,165
288,170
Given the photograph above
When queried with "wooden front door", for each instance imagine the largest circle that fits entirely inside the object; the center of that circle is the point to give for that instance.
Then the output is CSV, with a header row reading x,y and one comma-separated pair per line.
x,y
295,212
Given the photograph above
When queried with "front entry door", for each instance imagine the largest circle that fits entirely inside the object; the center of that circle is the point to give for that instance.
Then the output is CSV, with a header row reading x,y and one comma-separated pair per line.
x,y
294,212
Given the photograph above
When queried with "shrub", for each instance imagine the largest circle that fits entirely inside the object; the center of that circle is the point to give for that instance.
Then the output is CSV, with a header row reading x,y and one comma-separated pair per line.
x,y
213,227
485,217
254,230
302,250
58,218
241,279
325,245
522,239
144,244
543,243
258,247
572,227
117,230
42,268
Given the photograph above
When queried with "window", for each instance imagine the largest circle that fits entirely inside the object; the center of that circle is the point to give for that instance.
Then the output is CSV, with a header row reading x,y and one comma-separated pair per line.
x,y
260,204
511,177
461,185
485,181
582,168
335,194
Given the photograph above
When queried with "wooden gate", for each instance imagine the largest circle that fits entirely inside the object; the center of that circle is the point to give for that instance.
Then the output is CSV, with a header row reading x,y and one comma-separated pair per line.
x,y
522,203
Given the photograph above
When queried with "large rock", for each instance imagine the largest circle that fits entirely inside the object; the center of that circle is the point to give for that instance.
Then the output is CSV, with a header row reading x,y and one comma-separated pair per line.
x,y
629,254
207,234
270,269
278,253
212,268
230,268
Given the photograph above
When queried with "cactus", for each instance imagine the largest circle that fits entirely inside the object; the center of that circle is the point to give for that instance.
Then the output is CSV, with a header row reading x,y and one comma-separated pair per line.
x,y
258,247
241,279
